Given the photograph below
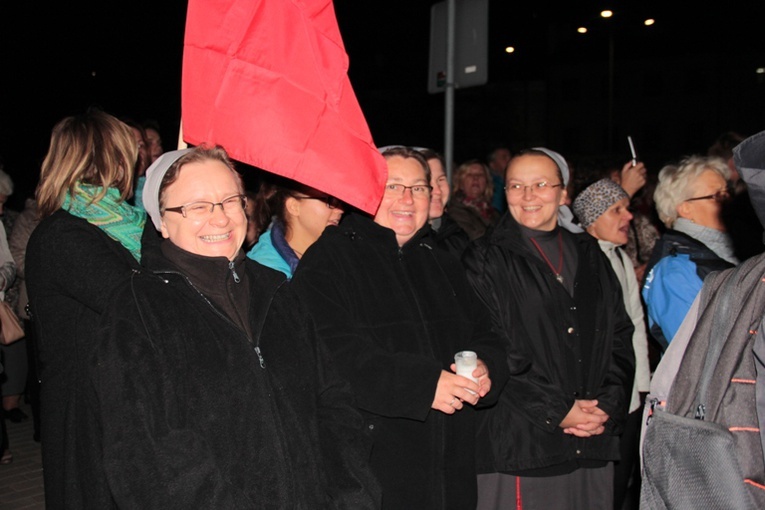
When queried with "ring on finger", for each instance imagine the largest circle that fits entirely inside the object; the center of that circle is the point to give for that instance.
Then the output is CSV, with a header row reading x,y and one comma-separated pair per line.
x,y
454,399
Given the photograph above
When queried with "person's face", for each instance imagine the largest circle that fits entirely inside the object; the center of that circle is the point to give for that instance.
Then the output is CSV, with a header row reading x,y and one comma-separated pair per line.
x,y
474,182
534,208
309,215
439,196
154,142
143,152
220,234
614,224
499,161
705,212
405,213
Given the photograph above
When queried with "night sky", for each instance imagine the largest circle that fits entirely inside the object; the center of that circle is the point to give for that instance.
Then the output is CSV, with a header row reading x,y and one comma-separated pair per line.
x,y
61,57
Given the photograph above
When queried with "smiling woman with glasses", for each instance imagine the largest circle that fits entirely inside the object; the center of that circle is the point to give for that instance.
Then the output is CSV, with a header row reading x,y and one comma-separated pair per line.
x,y
554,435
394,310
207,372
296,215
689,199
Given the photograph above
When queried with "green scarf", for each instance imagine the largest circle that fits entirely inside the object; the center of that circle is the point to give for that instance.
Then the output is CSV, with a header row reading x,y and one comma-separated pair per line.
x,y
120,220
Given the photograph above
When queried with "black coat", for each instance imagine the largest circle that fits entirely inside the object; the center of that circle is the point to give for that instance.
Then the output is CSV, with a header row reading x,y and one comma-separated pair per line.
x,y
72,268
579,348
394,318
196,413
450,236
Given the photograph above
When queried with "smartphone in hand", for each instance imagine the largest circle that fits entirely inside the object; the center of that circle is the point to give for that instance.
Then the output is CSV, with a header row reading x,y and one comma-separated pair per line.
x,y
632,151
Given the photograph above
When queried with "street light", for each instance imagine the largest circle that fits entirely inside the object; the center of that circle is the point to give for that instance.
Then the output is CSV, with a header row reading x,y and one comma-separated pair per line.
x,y
608,14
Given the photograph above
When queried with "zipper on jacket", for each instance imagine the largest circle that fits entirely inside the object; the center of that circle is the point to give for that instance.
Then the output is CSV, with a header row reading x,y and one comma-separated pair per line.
x,y
260,357
435,259
233,271
255,341
413,293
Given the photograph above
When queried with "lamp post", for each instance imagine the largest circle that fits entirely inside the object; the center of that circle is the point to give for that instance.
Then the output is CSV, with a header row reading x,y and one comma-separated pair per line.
x,y
610,144
607,15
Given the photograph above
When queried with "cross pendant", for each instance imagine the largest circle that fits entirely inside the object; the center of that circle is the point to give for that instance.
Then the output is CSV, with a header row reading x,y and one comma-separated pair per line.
x,y
559,277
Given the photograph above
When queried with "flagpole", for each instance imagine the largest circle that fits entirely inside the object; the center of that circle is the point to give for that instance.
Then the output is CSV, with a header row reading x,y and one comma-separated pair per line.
x,y
451,15
181,143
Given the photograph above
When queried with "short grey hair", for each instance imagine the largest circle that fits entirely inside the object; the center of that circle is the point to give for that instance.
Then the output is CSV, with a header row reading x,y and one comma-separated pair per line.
x,y
676,183
6,184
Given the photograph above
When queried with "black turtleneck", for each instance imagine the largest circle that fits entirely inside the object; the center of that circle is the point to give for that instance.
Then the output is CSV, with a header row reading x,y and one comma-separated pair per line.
x,y
548,242
216,280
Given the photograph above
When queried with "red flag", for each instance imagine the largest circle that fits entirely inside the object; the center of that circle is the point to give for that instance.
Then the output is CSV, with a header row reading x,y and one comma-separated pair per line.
x,y
268,80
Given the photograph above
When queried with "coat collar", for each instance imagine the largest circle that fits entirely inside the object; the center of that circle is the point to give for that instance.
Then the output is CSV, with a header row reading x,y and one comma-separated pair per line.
x,y
507,233
357,226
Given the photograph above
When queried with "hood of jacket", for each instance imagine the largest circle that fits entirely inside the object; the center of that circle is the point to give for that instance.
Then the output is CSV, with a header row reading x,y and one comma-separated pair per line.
x,y
749,157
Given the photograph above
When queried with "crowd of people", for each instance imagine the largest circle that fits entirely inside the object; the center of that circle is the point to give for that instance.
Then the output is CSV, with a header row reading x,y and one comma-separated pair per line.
x,y
205,345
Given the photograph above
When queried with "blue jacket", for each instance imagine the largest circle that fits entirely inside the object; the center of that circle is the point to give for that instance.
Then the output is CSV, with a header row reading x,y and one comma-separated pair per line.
x,y
678,266
272,251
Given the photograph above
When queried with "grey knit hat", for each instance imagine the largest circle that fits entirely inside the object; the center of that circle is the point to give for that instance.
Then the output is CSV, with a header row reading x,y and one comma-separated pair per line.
x,y
596,199
154,176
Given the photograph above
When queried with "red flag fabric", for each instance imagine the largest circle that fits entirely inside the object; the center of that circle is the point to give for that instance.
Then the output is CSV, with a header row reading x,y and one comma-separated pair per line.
x,y
268,80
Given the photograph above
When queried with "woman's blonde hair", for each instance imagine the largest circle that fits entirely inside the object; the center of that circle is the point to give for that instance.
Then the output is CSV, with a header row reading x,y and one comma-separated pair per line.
x,y
676,183
463,169
94,148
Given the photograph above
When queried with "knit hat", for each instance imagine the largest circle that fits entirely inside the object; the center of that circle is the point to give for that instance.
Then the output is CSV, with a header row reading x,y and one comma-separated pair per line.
x,y
596,199
154,176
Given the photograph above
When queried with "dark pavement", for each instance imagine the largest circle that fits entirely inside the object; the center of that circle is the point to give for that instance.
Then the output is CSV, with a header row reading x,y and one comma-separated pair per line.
x,y
21,481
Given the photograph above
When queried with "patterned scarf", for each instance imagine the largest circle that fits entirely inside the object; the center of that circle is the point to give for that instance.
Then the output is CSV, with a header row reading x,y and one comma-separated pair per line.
x,y
118,219
480,205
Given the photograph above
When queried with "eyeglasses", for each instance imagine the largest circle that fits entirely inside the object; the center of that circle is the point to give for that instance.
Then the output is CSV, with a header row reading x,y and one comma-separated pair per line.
x,y
203,210
537,188
329,201
718,196
398,190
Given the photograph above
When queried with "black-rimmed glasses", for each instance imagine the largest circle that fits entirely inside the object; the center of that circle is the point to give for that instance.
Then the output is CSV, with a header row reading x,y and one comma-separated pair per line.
x,y
418,190
718,196
202,210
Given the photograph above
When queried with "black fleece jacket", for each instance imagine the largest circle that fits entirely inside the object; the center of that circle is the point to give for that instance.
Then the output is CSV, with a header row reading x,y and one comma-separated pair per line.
x,y
394,317
196,412
72,267
579,347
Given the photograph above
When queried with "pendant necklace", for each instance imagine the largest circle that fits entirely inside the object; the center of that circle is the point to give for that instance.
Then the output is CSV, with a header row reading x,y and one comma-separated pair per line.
x,y
559,271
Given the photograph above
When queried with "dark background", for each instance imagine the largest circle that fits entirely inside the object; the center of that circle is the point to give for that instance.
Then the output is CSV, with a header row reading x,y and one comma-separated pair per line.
x,y
676,85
